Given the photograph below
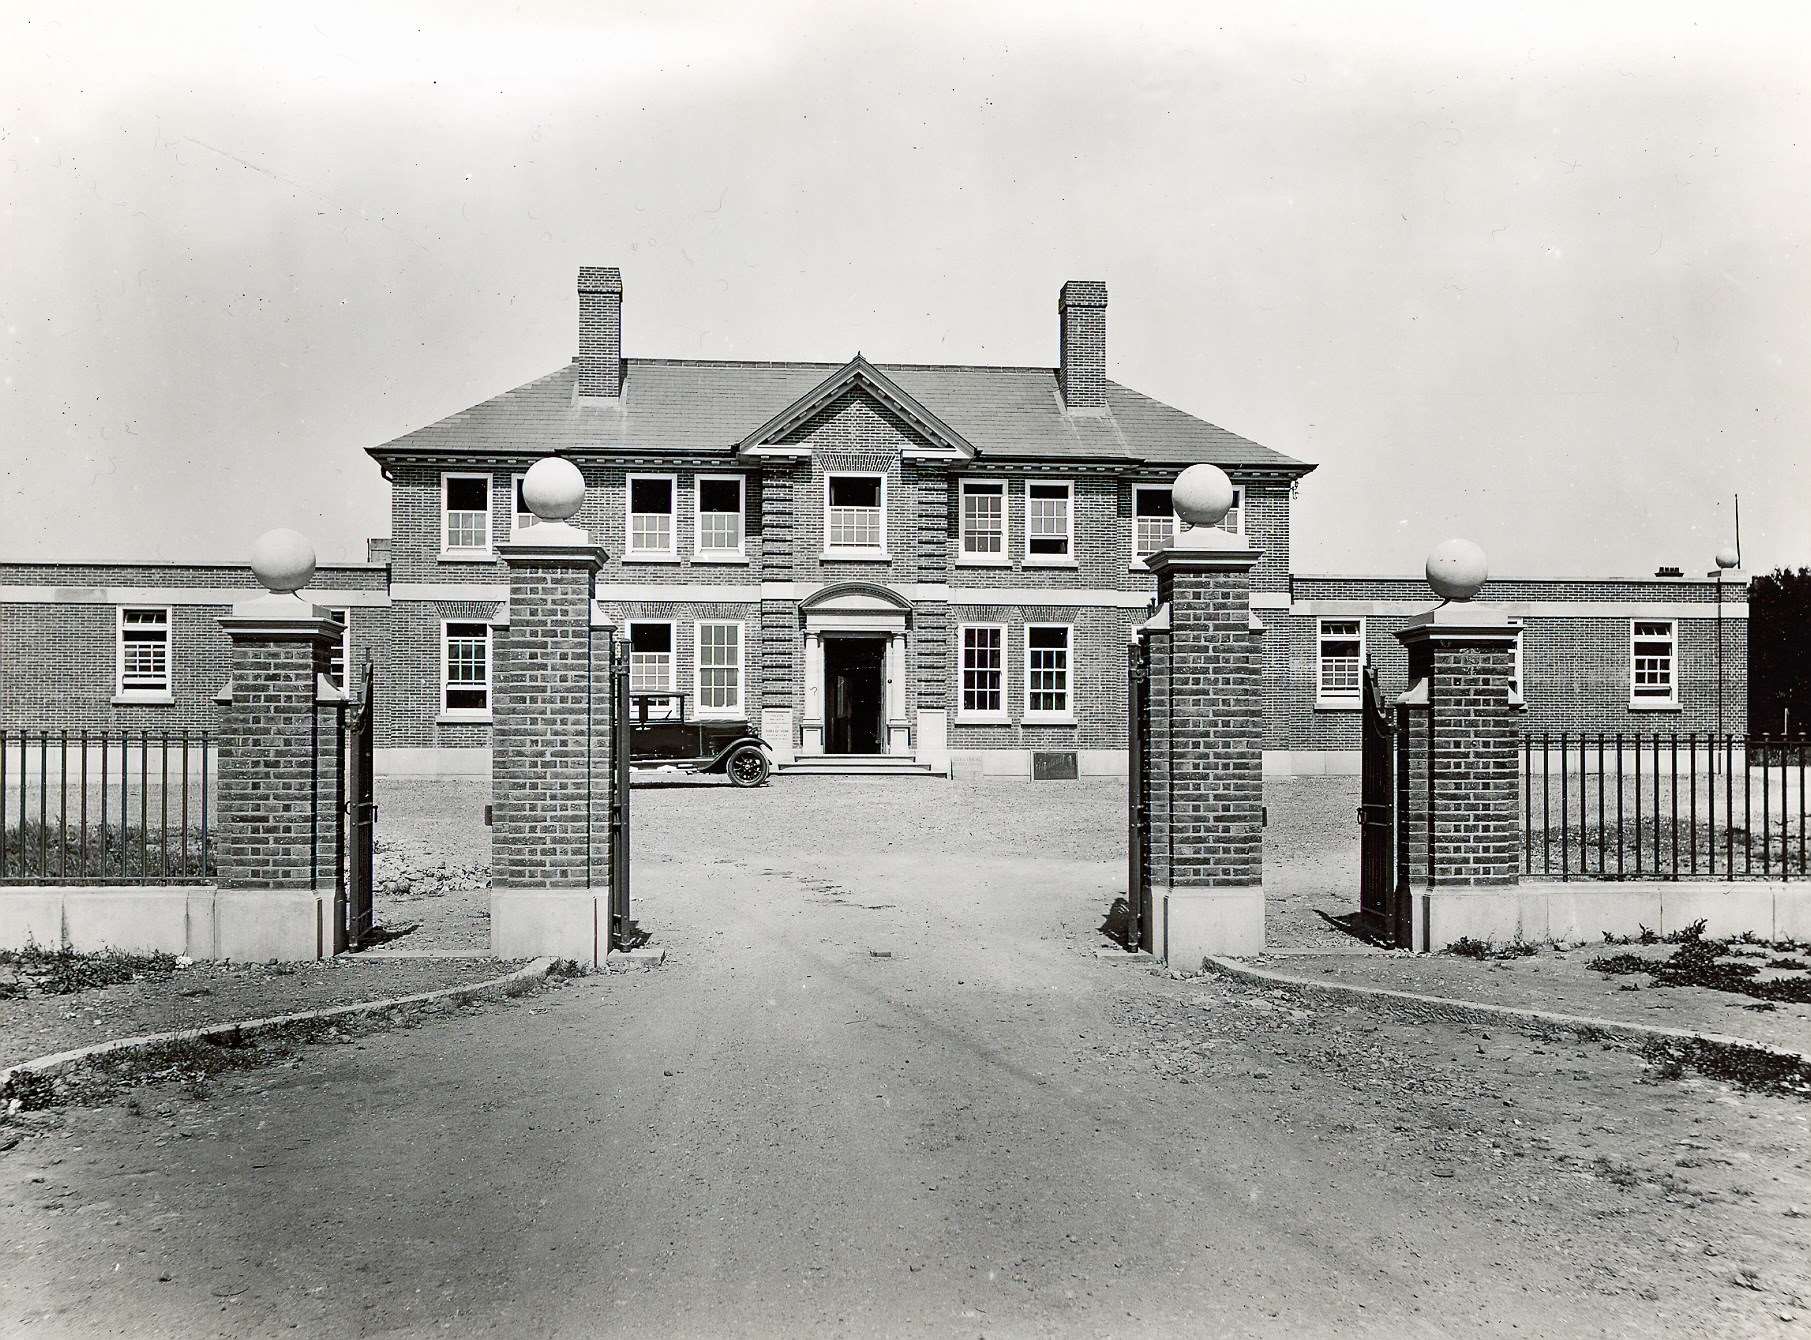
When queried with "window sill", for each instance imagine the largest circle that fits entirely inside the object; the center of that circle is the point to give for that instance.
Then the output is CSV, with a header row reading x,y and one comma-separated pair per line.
x,y
855,556
978,561
1047,719
721,714
1035,561
1337,704
650,558
982,719
467,556
722,560
143,699
1648,705
463,719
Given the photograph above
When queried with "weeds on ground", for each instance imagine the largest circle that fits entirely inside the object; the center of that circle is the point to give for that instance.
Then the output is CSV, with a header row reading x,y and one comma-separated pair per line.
x,y
1753,1068
64,972
1466,947
190,1062
1706,963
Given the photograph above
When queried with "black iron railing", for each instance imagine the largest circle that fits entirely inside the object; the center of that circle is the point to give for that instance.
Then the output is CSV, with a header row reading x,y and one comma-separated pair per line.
x,y
105,807
1610,805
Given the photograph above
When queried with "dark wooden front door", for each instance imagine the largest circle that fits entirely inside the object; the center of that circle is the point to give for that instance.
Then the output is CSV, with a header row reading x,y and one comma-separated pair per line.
x,y
854,687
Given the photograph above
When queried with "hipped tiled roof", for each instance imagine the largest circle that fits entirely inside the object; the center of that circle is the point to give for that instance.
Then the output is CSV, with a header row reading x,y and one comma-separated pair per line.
x,y
676,406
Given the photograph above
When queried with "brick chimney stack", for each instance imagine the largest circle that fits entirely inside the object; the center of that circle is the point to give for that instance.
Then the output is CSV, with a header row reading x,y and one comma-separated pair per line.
x,y
600,331
1082,372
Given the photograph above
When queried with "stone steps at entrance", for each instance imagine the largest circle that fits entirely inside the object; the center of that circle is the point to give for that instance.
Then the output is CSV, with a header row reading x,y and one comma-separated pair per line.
x,y
855,765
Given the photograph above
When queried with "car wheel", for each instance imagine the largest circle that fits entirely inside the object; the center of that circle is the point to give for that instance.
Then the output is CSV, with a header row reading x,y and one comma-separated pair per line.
x,y
747,766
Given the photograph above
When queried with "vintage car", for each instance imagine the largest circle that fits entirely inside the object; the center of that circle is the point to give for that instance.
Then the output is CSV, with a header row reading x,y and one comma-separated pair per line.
x,y
661,735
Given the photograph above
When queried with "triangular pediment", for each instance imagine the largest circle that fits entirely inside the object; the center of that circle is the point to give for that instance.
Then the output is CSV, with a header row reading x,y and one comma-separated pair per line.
x,y
858,374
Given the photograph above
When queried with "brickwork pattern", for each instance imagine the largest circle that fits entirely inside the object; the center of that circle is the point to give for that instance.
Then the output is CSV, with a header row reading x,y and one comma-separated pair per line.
x,y
551,723
1214,794
1575,678
278,768
1458,820
1097,678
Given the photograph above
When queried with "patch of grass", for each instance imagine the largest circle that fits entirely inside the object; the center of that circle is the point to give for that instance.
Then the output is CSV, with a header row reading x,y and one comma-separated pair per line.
x,y
47,851
1752,1068
1706,963
64,972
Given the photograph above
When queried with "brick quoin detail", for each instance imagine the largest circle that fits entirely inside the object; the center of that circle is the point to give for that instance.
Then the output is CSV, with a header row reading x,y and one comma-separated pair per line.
x,y
550,763
1206,750
1467,823
279,766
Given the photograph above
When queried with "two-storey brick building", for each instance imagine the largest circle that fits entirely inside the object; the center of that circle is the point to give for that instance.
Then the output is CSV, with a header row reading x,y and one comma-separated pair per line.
x,y
921,565
921,562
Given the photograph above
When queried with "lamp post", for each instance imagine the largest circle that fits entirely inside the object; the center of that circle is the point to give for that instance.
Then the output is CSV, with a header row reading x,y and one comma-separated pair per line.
x,y
1727,558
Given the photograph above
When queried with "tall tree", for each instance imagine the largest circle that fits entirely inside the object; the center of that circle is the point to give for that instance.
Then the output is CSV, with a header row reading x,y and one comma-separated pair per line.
x,y
1779,651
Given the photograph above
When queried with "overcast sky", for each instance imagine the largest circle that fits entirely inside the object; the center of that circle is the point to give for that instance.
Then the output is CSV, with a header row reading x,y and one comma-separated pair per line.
x,y
1539,278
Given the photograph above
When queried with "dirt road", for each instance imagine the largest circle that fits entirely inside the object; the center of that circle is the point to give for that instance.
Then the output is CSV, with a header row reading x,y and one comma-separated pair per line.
x,y
983,1130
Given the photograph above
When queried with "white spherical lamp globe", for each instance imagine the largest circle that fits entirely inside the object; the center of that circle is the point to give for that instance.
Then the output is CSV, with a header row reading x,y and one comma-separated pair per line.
x,y
553,489
1202,495
1456,569
1727,557
283,560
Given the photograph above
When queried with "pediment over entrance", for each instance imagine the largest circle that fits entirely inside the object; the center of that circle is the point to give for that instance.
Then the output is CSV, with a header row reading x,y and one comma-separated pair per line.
x,y
855,597
851,607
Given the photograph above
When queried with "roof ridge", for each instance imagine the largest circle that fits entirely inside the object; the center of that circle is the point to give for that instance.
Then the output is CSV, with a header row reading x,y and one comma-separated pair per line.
x,y
835,363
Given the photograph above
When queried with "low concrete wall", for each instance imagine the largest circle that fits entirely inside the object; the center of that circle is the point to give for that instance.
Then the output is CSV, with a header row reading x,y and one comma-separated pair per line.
x,y
432,762
200,920
1015,764
1312,762
1537,911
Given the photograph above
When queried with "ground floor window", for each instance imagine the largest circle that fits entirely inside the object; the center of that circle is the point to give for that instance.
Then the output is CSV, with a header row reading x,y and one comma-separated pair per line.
x,y
1047,670
144,652
1651,655
465,668
1342,657
651,664
719,669
983,670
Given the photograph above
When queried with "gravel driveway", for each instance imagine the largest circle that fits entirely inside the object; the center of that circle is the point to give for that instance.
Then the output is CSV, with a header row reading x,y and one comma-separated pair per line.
x,y
434,848
884,1085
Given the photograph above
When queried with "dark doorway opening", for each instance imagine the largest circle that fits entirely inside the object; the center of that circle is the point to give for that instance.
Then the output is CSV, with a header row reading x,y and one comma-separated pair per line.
x,y
854,695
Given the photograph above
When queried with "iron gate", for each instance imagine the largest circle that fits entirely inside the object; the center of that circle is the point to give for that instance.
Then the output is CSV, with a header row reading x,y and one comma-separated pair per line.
x,y
361,815
622,930
1382,896
1138,799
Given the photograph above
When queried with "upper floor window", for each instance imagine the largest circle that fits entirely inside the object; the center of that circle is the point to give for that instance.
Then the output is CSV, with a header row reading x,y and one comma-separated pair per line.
x,y
1652,651
983,520
855,515
465,668
464,516
1049,522
338,656
143,659
650,529
1341,662
719,669
1047,672
1153,521
522,518
720,513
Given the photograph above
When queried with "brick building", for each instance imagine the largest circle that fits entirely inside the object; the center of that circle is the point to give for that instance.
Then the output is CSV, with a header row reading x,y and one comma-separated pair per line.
x,y
939,565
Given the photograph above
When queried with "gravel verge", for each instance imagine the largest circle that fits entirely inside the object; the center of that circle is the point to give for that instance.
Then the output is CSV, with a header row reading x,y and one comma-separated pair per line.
x,y
1563,982
217,993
